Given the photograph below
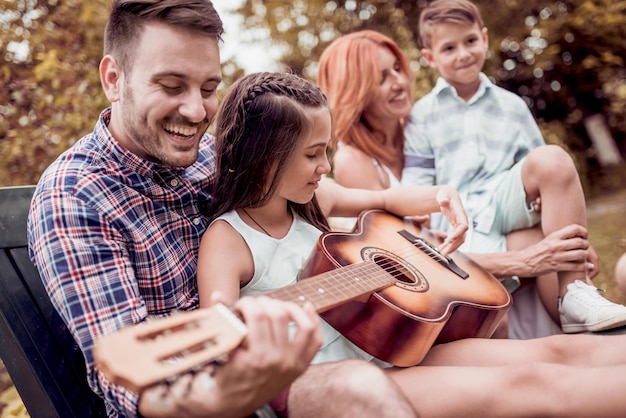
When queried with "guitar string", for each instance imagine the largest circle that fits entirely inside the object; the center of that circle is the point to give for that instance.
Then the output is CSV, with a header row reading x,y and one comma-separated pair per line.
x,y
386,264
329,288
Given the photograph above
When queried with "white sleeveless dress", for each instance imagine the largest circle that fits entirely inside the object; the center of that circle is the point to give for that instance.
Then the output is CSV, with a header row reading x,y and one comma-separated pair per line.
x,y
277,263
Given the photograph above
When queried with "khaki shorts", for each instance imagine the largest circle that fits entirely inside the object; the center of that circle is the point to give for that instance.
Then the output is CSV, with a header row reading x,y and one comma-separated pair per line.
x,y
512,213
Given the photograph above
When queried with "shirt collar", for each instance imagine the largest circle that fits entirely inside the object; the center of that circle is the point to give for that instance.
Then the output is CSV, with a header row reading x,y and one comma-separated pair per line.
x,y
116,151
485,84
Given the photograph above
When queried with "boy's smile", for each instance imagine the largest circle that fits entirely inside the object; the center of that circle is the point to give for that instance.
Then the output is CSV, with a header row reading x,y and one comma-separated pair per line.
x,y
458,52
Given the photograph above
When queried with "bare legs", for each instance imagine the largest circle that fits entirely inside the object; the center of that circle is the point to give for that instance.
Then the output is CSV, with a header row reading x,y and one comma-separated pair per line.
x,y
547,284
575,350
562,375
549,172
524,390
349,388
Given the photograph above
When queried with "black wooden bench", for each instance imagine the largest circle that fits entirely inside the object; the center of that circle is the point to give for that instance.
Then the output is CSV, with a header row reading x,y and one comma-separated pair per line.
x,y
41,356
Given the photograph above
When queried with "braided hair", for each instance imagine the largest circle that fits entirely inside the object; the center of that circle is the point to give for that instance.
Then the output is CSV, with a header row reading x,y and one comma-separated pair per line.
x,y
260,124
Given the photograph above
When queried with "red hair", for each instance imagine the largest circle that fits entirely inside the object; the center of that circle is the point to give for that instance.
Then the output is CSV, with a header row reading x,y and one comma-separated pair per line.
x,y
348,72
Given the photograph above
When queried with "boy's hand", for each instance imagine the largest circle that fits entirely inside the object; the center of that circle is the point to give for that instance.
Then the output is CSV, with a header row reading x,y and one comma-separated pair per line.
x,y
566,249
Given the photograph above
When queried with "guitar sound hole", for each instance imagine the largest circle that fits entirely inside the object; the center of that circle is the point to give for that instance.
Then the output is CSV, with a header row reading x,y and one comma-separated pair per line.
x,y
406,274
395,269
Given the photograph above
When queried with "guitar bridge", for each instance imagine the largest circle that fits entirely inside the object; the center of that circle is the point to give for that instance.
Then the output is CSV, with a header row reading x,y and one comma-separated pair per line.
x,y
434,253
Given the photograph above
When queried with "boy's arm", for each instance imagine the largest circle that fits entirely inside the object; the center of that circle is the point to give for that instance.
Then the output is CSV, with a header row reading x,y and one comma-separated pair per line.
x,y
419,159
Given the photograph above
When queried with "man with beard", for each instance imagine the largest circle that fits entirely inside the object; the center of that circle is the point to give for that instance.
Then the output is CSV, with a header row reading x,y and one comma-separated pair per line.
x,y
116,221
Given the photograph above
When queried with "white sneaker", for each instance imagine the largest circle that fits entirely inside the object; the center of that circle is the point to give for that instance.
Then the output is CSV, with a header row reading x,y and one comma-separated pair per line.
x,y
583,309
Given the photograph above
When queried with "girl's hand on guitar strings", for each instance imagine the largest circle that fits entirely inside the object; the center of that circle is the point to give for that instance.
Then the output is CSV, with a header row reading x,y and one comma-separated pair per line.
x,y
452,208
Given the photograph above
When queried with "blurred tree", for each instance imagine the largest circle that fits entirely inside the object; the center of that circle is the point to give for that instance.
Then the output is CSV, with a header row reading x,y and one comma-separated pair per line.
x,y
50,53
566,63
51,93
565,58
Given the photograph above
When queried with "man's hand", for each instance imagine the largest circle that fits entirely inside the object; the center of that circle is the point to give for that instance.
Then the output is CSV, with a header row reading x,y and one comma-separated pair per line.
x,y
271,359
566,249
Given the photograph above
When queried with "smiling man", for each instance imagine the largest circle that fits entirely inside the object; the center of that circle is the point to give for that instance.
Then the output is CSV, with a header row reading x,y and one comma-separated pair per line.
x,y
116,222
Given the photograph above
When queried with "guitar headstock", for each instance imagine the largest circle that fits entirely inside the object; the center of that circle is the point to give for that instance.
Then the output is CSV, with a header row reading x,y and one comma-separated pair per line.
x,y
137,357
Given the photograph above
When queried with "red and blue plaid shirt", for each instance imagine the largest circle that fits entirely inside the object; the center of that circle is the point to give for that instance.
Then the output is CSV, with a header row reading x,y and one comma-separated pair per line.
x,y
115,239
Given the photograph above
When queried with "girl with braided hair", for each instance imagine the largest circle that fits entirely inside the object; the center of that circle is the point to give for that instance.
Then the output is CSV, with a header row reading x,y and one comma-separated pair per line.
x,y
270,203
270,206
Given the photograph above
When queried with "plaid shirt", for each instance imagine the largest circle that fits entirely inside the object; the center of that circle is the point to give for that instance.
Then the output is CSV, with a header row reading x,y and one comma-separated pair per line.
x,y
468,145
115,239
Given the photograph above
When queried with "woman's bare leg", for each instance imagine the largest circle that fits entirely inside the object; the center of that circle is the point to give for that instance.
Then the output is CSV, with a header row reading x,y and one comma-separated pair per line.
x,y
524,390
582,350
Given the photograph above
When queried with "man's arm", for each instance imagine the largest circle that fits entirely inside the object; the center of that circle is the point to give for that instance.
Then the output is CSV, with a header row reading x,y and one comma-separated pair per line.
x,y
88,277
562,250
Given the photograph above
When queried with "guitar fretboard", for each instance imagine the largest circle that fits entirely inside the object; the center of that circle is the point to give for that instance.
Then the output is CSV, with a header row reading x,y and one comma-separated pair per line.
x,y
328,290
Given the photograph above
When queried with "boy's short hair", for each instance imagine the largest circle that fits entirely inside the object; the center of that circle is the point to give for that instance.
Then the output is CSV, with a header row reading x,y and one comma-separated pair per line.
x,y
444,11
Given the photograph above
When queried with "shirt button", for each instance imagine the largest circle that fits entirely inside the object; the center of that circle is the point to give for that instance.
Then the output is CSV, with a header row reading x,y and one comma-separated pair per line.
x,y
196,221
174,182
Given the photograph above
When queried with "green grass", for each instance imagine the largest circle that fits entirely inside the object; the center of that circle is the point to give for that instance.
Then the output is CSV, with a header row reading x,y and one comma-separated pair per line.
x,y
606,217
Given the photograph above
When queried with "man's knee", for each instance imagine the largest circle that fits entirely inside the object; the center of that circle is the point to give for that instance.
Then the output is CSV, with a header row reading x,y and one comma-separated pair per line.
x,y
361,381
346,388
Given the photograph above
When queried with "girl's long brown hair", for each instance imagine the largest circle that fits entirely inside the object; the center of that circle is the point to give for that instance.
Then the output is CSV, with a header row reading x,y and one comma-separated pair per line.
x,y
260,124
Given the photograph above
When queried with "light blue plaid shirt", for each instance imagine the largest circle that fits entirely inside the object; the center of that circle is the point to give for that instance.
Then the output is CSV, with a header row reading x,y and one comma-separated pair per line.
x,y
468,145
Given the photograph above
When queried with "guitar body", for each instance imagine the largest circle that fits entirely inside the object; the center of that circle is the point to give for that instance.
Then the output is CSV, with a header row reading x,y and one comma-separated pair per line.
x,y
382,285
428,304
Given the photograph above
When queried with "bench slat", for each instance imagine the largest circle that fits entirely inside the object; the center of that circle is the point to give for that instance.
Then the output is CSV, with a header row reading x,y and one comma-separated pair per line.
x,y
36,347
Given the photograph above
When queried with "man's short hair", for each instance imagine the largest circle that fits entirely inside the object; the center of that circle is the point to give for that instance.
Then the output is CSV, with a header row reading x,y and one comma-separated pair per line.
x,y
128,18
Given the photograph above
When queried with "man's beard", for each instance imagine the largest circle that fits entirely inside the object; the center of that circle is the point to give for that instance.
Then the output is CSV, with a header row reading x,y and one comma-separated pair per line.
x,y
150,141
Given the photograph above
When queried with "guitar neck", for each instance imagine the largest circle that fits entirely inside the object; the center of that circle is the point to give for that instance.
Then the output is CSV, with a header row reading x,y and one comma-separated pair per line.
x,y
179,343
333,288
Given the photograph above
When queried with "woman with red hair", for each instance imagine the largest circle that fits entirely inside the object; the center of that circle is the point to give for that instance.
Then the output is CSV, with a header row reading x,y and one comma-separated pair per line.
x,y
366,79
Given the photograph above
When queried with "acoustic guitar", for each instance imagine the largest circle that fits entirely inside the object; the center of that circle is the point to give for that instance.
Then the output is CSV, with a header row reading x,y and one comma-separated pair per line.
x,y
384,286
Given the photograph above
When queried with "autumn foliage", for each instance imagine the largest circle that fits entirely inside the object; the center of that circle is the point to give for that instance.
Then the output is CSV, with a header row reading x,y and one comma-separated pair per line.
x,y
566,58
